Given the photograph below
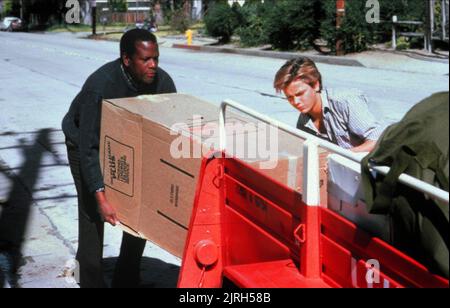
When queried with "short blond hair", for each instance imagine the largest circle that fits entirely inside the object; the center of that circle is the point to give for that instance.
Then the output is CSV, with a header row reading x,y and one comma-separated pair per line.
x,y
302,68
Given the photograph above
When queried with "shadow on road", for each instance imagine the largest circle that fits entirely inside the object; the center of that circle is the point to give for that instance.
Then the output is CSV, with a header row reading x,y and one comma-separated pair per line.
x,y
15,212
154,273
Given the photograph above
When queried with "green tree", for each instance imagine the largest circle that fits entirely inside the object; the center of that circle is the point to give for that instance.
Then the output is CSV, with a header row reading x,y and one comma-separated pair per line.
x,y
355,32
404,9
251,24
221,21
413,10
118,5
292,24
7,7
179,21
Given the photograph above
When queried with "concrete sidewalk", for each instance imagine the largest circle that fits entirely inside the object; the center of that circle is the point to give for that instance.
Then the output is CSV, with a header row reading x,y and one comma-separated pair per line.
x,y
414,61
401,61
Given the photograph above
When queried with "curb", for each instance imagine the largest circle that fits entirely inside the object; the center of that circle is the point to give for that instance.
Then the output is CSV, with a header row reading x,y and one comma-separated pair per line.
x,y
271,54
427,58
417,55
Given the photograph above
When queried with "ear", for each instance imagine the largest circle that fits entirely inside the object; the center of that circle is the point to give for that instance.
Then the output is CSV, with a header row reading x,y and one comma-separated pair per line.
x,y
126,60
316,86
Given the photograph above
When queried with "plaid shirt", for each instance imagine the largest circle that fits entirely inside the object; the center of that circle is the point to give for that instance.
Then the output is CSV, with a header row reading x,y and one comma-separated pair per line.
x,y
347,119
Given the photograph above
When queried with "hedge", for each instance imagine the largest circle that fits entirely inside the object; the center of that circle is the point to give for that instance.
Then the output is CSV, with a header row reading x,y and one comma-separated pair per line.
x,y
297,24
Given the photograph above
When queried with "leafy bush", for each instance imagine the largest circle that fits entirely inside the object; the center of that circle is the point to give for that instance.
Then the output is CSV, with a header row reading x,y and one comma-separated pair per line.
x,y
297,24
179,21
403,43
118,5
221,21
251,24
292,24
405,10
10,8
7,7
355,33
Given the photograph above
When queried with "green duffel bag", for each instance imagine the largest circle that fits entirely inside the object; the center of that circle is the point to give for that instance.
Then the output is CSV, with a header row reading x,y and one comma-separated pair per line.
x,y
418,146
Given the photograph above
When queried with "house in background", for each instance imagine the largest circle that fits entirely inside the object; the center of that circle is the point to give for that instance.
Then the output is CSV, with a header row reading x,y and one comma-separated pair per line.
x,y
136,10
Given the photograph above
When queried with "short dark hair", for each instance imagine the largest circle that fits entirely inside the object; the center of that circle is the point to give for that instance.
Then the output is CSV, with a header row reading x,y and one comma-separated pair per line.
x,y
302,68
130,38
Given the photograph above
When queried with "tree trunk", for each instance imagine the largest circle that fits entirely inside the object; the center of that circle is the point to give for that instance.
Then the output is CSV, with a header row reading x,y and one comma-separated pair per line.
x,y
187,8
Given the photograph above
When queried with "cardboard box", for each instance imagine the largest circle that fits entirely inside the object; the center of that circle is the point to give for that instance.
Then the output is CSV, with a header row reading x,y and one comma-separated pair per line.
x,y
152,189
289,171
346,197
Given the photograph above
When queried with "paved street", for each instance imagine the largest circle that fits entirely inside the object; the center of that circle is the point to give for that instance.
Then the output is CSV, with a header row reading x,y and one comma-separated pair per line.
x,y
41,74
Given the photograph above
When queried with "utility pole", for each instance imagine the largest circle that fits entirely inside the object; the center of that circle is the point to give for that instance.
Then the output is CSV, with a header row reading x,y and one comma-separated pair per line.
x,y
94,16
444,11
187,9
429,27
21,9
340,14
136,13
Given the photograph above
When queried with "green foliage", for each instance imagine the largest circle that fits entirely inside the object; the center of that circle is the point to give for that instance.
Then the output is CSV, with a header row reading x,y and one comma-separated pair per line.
x,y
405,10
297,24
355,32
179,21
11,8
118,5
7,7
292,24
403,43
251,24
221,21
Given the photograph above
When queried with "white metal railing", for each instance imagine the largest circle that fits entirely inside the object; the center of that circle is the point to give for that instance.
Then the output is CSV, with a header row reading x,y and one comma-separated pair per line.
x,y
311,189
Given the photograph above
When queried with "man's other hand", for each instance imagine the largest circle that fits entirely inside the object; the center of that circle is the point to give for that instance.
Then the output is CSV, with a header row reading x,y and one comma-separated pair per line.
x,y
107,211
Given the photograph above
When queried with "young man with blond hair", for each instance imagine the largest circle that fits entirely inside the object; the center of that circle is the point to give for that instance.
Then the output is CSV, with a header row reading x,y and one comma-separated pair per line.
x,y
339,116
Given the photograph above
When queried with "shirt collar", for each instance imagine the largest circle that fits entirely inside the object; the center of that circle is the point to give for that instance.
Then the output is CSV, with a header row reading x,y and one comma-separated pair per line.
x,y
325,102
128,78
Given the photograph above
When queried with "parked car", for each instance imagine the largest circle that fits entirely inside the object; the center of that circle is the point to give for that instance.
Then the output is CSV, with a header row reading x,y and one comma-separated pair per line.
x,y
147,24
11,24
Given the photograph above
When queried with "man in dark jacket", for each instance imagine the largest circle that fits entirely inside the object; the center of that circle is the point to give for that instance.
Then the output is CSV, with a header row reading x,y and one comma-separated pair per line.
x,y
135,73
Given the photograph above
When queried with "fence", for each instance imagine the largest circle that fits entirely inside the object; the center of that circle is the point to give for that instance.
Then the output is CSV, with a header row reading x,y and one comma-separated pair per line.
x,y
395,33
123,18
436,28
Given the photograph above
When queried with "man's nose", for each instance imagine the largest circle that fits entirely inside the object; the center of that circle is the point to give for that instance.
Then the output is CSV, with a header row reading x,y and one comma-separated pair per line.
x,y
152,63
